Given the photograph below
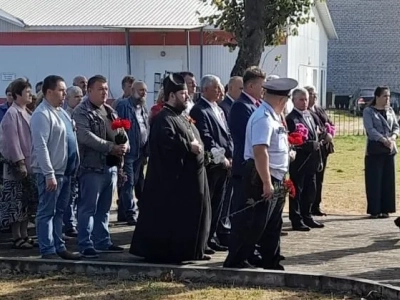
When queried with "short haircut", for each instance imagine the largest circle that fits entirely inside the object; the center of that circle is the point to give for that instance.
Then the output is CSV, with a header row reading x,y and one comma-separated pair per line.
x,y
18,86
186,73
127,79
50,83
73,90
208,80
96,78
253,73
301,91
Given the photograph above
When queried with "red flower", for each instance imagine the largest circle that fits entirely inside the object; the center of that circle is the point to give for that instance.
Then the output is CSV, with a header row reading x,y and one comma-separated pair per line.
x,y
116,124
295,139
126,124
191,120
120,123
289,187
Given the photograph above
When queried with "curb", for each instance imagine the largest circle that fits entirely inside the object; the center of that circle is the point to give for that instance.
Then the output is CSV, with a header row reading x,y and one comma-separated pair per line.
x,y
237,277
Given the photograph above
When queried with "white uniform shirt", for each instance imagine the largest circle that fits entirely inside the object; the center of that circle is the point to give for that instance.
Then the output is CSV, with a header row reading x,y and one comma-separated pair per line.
x,y
265,128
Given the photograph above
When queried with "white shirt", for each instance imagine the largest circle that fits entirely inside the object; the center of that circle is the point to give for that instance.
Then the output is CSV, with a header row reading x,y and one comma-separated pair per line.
x,y
265,128
219,113
251,97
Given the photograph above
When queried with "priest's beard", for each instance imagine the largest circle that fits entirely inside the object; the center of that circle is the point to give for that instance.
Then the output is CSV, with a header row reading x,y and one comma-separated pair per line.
x,y
178,105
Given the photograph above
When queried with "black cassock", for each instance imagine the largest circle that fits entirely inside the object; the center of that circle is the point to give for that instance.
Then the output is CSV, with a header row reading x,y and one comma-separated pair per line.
x,y
174,219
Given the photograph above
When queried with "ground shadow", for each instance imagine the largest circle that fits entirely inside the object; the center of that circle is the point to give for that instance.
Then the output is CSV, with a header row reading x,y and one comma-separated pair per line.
x,y
317,258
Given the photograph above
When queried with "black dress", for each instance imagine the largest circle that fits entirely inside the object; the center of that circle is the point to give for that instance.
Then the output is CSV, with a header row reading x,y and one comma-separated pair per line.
x,y
174,220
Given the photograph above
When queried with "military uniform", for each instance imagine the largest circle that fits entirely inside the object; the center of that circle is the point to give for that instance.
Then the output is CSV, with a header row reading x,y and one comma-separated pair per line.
x,y
262,223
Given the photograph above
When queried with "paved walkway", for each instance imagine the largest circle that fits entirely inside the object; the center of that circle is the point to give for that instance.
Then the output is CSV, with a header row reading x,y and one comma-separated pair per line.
x,y
348,245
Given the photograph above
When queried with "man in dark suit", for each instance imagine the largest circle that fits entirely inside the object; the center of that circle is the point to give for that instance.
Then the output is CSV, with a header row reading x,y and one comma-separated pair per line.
x,y
233,90
211,123
307,163
235,87
326,148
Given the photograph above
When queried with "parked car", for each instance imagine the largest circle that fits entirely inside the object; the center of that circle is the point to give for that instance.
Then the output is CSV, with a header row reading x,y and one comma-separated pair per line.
x,y
359,100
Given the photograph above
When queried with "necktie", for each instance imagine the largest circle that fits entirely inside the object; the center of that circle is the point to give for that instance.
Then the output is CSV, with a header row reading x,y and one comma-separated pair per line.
x,y
258,103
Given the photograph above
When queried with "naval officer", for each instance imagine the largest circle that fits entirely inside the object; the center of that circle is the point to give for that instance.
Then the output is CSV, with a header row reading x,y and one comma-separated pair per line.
x,y
266,157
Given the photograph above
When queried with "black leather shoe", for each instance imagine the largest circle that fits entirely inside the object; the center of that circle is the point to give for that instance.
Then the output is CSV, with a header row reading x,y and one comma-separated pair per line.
x,y
318,213
301,227
397,222
209,251
255,260
217,247
314,224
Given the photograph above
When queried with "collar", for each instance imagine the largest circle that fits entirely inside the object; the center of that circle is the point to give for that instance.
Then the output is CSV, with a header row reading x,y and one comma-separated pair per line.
x,y
271,110
17,107
230,98
303,113
254,100
212,104
47,103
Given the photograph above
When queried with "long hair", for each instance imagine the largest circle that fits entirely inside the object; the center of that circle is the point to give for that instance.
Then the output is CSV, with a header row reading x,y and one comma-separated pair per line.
x,y
378,92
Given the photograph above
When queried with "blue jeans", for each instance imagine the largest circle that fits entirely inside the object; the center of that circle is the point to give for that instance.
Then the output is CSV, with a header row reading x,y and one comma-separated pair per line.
x,y
70,212
49,218
127,201
94,209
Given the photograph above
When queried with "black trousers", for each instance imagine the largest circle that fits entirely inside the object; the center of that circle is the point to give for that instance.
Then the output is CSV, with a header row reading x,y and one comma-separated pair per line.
x,y
319,182
216,176
270,243
224,225
248,226
140,182
380,184
300,206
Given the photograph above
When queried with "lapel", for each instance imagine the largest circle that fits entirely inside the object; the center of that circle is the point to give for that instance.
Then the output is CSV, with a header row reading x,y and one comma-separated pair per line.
x,y
386,123
223,126
21,113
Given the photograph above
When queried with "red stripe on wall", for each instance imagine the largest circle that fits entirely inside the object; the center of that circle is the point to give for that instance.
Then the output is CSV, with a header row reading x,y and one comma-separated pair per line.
x,y
61,38
111,38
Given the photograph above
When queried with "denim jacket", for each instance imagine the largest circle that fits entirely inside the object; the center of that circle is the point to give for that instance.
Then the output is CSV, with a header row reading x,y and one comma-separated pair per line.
x,y
126,110
92,134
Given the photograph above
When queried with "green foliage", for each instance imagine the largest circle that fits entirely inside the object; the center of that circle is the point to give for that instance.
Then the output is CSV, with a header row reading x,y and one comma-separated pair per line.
x,y
280,18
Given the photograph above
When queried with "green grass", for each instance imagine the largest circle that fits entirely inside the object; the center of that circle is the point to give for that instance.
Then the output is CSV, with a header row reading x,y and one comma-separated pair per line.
x,y
61,287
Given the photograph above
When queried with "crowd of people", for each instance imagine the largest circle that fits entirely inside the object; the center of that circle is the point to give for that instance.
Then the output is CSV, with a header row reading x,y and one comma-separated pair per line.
x,y
204,170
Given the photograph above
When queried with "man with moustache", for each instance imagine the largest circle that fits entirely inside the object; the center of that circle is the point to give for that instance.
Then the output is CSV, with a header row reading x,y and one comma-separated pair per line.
x,y
174,220
97,175
134,110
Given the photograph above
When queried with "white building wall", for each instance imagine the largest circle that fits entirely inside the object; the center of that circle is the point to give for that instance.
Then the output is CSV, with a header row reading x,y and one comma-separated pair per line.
x,y
308,53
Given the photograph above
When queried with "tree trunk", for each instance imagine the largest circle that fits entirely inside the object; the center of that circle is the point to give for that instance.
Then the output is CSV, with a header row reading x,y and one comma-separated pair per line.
x,y
251,43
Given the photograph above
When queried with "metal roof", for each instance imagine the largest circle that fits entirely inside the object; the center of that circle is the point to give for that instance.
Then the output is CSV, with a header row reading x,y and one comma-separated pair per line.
x,y
326,19
11,19
135,14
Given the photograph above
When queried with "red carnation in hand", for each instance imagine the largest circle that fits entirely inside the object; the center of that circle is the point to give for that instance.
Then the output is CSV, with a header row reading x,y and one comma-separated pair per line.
x,y
295,139
126,124
116,124
290,188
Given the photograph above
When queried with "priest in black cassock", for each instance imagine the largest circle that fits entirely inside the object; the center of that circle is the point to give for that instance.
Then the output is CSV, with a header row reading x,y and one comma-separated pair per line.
x,y
174,220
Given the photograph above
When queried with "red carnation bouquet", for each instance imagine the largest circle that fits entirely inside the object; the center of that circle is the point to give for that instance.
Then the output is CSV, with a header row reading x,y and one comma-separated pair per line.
x,y
289,188
121,126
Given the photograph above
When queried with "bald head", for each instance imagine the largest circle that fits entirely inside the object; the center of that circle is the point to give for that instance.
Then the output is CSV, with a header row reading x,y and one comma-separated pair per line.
x,y
81,81
235,87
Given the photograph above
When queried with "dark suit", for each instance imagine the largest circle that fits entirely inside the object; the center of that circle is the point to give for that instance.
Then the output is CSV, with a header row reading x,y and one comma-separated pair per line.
x,y
213,134
239,115
226,105
303,170
326,149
